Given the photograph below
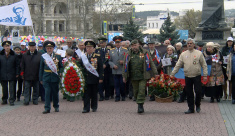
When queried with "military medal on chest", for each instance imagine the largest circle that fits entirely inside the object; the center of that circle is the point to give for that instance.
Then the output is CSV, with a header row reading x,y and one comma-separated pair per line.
x,y
194,60
56,61
94,62
107,55
141,55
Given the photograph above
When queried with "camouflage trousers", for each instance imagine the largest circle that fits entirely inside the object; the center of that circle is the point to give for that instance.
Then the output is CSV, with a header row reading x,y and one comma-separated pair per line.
x,y
139,90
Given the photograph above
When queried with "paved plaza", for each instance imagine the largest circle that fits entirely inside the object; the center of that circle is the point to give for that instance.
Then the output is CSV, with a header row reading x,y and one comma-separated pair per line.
x,y
118,119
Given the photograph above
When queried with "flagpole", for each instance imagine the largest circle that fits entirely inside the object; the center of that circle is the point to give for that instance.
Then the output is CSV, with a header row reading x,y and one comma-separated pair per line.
x,y
34,34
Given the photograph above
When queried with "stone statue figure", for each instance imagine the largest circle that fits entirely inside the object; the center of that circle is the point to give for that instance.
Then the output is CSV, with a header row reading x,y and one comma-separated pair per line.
x,y
213,14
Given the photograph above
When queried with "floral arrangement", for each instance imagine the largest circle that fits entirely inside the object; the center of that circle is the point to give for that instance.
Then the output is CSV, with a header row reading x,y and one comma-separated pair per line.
x,y
72,83
164,86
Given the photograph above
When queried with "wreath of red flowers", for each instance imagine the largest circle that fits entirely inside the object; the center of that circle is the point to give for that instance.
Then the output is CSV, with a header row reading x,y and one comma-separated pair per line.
x,y
72,81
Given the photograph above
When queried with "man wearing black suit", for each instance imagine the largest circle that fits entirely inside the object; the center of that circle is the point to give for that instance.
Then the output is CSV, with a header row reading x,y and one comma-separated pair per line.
x,y
92,81
104,54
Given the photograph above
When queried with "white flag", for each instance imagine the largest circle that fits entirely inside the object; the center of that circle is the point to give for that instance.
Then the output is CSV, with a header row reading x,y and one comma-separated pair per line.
x,y
16,14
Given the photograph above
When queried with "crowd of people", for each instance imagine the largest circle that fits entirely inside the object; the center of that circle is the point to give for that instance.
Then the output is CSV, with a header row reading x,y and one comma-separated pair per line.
x,y
123,68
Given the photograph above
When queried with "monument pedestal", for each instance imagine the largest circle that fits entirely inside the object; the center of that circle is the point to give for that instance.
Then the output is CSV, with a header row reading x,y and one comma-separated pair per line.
x,y
218,35
213,27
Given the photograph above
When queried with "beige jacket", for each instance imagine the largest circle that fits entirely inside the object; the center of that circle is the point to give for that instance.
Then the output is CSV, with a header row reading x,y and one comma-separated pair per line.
x,y
229,66
192,62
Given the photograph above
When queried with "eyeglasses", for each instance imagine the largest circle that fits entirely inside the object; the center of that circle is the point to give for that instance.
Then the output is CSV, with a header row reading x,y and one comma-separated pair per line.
x,y
189,43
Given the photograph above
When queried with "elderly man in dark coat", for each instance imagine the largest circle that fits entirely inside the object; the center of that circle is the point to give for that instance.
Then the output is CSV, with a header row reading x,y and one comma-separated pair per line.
x,y
9,70
30,69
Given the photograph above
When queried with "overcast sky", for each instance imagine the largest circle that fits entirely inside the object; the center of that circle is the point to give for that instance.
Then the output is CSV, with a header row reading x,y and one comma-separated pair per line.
x,y
175,5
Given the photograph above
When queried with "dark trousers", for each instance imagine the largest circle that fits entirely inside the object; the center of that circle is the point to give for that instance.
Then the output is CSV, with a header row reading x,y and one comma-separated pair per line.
x,y
119,86
104,87
12,90
196,83
90,97
51,88
233,87
20,84
27,91
42,92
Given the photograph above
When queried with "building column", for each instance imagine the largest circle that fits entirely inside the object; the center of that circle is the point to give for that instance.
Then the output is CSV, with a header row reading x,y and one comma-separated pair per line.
x,y
52,27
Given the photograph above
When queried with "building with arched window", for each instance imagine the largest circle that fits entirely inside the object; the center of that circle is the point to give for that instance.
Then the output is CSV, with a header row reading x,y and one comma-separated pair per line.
x,y
64,18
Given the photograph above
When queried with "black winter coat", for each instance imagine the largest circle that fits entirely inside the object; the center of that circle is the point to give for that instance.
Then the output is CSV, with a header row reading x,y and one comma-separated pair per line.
x,y
30,65
9,66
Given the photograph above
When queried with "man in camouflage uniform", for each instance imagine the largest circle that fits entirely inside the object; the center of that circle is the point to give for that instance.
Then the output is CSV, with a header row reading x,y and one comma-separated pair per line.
x,y
137,66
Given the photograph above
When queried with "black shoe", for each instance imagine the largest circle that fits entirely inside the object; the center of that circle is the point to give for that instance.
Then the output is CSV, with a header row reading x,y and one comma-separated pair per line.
x,y
130,97
94,110
101,99
35,103
64,97
4,102
134,99
152,98
180,101
123,99
12,104
189,112
45,112
212,100
26,103
57,110
140,108
117,100
85,111
233,101
198,109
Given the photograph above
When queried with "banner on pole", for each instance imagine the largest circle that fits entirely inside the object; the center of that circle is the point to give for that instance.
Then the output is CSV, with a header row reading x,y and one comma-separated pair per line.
x,y
133,12
16,14
105,27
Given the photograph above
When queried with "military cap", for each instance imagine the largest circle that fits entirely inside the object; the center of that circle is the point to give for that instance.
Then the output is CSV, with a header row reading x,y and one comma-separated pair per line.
x,y
90,43
117,39
6,43
102,39
32,44
200,44
134,42
18,7
49,44
17,47
151,42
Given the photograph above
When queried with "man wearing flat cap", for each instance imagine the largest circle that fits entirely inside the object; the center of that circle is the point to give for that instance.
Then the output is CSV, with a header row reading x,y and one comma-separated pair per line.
x,y
104,54
19,11
49,75
137,66
200,46
116,63
30,73
9,71
92,81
